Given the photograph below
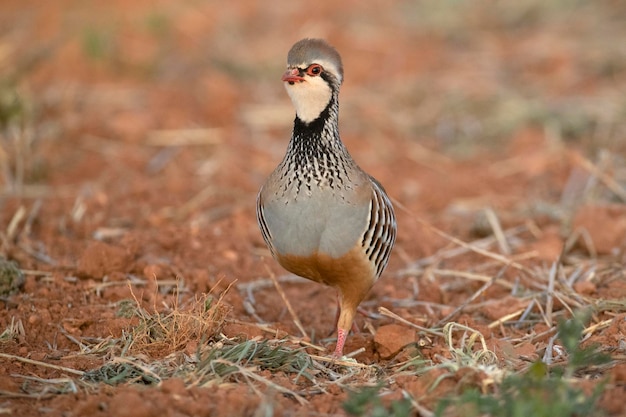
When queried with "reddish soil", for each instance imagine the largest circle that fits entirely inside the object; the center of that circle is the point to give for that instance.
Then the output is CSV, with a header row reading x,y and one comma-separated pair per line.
x,y
143,131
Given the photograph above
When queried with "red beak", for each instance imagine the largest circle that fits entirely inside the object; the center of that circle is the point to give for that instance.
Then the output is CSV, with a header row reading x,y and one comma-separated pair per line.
x,y
292,76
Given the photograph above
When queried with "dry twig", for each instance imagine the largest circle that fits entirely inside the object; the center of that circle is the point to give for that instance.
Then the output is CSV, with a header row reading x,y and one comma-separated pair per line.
x,y
293,314
387,313
43,364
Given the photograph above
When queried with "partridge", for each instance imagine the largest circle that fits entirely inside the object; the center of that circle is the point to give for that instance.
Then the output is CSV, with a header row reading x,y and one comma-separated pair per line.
x,y
320,214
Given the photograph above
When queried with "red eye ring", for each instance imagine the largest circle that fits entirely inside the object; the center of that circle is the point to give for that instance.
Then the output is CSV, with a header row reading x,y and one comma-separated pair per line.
x,y
314,70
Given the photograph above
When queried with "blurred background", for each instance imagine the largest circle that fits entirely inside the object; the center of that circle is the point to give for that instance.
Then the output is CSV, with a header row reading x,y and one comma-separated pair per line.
x,y
454,76
134,136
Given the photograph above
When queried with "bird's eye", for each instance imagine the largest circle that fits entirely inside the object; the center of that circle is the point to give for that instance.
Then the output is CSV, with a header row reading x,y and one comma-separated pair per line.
x,y
314,70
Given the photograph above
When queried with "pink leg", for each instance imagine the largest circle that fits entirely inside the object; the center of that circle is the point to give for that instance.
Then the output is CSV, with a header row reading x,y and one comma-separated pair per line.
x,y
342,335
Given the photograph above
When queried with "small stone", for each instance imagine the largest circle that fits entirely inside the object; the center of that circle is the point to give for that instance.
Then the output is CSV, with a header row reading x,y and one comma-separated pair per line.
x,y
391,339
34,319
585,288
100,259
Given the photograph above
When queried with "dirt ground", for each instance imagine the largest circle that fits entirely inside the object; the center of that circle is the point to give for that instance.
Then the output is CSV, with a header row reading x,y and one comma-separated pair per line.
x,y
135,136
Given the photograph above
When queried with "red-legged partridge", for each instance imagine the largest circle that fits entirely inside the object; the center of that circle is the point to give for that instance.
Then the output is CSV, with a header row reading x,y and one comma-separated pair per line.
x,y
322,216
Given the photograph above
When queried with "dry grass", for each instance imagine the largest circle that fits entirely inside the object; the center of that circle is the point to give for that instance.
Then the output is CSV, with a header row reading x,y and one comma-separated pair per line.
x,y
180,328
183,340
13,331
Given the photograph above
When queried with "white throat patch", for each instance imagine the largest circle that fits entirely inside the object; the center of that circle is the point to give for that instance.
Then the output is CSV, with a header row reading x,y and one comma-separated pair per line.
x,y
309,97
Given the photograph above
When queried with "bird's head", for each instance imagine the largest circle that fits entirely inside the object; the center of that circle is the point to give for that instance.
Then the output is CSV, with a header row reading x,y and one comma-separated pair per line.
x,y
314,74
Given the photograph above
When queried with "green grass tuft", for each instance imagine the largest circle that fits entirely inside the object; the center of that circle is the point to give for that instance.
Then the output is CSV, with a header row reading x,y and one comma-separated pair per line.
x,y
367,402
538,391
11,277
115,373
97,44
227,360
